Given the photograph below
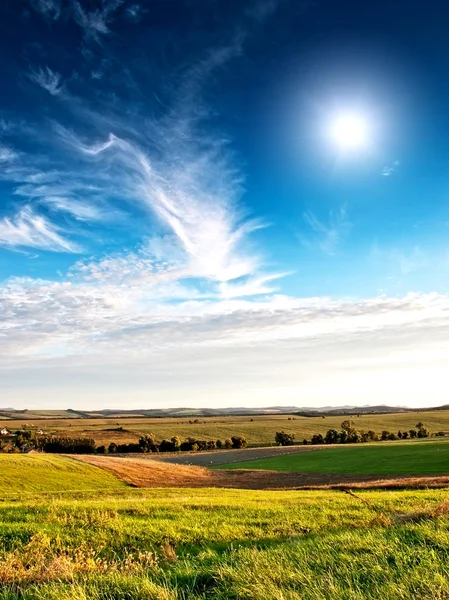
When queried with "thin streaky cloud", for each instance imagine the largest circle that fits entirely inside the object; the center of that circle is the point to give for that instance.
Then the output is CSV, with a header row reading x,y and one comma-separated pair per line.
x,y
327,235
29,230
47,79
95,23
81,211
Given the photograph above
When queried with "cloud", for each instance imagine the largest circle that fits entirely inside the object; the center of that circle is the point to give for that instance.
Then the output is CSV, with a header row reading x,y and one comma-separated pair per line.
x,y
96,22
121,335
82,211
327,235
28,230
7,154
134,12
388,170
50,9
191,187
47,79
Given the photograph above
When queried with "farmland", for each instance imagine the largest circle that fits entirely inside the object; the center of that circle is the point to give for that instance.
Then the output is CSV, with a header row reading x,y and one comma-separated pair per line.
x,y
106,527
258,430
398,459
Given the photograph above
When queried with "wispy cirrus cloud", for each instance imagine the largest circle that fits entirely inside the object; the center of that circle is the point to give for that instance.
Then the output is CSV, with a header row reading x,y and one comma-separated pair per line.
x,y
47,79
82,211
29,230
95,22
50,9
327,235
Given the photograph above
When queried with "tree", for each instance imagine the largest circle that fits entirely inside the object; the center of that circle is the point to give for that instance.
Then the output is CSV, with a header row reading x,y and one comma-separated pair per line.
x,y
176,443
112,448
238,442
413,433
219,444
331,437
148,443
282,438
166,446
347,425
423,432
228,444
384,435
317,439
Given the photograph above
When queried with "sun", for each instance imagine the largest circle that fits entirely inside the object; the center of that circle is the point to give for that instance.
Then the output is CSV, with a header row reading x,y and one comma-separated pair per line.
x,y
350,131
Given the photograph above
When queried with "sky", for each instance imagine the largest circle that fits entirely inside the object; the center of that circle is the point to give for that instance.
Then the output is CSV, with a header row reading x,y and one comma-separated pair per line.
x,y
223,203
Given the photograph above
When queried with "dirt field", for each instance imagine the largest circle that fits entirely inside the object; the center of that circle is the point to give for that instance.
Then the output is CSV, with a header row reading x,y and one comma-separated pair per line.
x,y
143,473
223,457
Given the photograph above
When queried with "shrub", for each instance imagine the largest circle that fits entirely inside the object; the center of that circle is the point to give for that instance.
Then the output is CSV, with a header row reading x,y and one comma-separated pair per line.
x,y
219,444
228,444
133,447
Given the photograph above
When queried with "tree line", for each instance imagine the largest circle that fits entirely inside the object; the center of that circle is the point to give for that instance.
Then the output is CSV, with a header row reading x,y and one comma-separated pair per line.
x,y
26,440
348,434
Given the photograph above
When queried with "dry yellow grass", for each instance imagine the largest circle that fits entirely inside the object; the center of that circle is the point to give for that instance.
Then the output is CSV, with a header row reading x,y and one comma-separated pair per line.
x,y
152,473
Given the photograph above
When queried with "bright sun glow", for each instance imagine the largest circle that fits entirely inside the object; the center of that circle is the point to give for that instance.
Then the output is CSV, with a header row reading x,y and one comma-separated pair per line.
x,y
350,131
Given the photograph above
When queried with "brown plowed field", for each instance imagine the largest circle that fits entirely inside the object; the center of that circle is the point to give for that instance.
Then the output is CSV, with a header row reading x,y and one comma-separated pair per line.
x,y
223,457
145,473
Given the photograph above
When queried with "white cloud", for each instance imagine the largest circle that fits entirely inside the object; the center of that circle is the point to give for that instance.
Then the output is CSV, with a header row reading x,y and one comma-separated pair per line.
x,y
118,336
327,235
81,211
7,154
28,230
47,79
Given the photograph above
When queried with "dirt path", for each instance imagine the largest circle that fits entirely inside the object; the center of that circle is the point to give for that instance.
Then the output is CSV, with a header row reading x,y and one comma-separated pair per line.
x,y
223,457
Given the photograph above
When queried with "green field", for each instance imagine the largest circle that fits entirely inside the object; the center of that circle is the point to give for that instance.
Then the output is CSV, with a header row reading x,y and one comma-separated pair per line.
x,y
225,544
258,430
406,458
34,473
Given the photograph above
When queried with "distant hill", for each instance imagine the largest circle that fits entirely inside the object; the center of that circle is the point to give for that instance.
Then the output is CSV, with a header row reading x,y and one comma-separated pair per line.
x,y
183,412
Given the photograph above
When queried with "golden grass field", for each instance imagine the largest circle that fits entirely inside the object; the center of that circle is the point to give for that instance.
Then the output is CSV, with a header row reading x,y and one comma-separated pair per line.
x,y
258,430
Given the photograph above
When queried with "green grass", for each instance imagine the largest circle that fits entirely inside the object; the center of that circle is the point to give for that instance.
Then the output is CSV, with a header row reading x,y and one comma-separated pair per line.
x,y
407,458
224,545
34,473
258,430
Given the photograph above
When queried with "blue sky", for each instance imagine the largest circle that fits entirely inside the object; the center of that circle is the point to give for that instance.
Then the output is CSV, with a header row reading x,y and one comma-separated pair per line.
x,y
178,225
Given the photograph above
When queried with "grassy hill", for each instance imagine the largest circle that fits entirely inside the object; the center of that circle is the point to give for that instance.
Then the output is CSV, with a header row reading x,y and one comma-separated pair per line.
x,y
36,473
224,545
